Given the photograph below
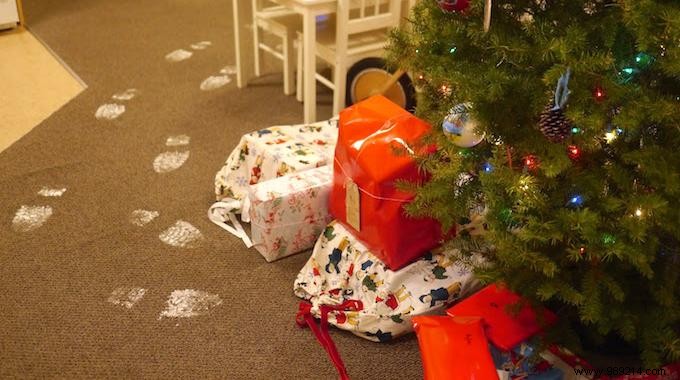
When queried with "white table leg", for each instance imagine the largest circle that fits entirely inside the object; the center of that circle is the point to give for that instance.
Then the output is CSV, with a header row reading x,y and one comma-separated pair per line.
x,y
340,69
309,49
242,14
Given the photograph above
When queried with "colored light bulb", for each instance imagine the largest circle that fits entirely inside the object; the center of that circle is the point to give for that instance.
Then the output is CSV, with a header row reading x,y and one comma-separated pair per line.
x,y
575,201
524,184
530,162
643,59
608,239
573,152
445,90
613,135
599,94
487,167
626,74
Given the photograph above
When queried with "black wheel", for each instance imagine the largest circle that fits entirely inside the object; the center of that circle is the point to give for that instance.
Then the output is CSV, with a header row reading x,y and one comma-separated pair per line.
x,y
367,77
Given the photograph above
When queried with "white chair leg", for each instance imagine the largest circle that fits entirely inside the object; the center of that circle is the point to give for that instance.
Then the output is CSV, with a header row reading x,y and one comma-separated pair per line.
x,y
298,74
339,80
288,67
256,45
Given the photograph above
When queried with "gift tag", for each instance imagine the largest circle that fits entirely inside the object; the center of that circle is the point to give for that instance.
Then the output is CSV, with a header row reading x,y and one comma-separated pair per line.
x,y
352,204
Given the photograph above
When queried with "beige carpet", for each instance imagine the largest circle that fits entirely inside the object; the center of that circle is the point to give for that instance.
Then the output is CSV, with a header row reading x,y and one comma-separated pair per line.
x,y
70,288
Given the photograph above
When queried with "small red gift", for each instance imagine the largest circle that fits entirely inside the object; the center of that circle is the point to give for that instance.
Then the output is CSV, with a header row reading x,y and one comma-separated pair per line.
x,y
504,330
375,150
454,348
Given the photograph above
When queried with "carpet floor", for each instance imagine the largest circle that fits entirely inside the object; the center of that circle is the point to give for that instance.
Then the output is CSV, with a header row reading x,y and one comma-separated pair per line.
x,y
85,293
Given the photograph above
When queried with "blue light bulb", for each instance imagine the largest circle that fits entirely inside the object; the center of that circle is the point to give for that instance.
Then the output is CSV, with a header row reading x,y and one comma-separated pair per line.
x,y
487,167
575,201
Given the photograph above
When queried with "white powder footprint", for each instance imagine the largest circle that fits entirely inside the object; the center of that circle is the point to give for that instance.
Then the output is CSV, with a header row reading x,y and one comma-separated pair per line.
x,y
228,70
178,55
143,217
181,235
215,82
29,218
169,161
51,192
109,111
178,140
126,296
189,303
201,45
128,94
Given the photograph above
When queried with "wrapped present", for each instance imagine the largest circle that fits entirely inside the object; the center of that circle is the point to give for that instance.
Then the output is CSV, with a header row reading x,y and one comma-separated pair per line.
x,y
513,363
342,269
549,374
288,213
522,362
504,330
273,152
580,369
454,348
375,150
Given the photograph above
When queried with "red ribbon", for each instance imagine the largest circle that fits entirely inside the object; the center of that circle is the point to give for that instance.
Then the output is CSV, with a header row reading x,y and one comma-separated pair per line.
x,y
571,359
305,318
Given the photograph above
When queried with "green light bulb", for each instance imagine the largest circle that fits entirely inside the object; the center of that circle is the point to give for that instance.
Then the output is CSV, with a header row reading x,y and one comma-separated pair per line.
x,y
627,74
608,239
643,60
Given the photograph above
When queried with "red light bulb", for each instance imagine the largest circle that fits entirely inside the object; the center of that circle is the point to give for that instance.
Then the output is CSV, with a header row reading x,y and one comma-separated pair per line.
x,y
574,152
599,94
530,162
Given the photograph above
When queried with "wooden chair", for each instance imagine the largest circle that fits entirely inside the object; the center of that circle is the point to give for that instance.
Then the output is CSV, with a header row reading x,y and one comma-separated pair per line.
x,y
280,22
361,28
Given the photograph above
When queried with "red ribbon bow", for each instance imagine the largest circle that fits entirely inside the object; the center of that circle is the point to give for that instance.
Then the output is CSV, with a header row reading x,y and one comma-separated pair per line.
x,y
305,318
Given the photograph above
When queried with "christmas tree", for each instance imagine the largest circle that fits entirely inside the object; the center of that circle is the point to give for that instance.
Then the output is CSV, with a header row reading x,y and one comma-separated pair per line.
x,y
560,128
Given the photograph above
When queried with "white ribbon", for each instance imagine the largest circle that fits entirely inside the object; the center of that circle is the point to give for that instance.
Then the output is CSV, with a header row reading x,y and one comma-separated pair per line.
x,y
217,213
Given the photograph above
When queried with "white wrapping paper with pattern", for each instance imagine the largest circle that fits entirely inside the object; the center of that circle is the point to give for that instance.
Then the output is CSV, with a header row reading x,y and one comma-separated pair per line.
x,y
288,213
341,268
273,152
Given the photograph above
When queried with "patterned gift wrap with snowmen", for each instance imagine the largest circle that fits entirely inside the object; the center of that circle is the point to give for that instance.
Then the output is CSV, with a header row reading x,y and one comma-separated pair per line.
x,y
288,213
274,152
342,269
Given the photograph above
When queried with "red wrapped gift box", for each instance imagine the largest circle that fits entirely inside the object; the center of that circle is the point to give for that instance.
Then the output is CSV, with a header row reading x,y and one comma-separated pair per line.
x,y
454,348
503,329
375,150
